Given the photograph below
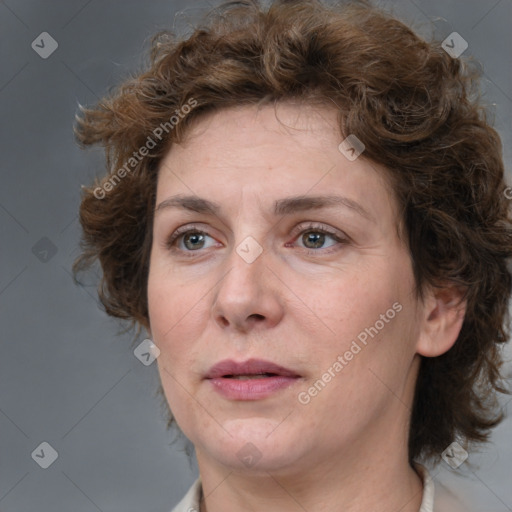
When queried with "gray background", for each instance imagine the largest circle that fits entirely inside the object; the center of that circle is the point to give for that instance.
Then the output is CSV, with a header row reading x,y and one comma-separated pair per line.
x,y
66,376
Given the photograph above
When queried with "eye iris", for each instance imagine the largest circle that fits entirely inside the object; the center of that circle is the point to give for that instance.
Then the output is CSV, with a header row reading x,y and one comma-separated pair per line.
x,y
316,238
311,239
193,236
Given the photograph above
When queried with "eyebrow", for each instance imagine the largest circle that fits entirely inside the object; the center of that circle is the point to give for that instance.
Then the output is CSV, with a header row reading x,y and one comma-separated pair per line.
x,y
286,206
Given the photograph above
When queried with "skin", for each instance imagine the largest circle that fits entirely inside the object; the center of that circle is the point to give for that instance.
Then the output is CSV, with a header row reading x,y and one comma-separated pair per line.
x,y
298,305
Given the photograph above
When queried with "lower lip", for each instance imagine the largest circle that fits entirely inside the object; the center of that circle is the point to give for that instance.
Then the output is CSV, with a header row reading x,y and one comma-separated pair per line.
x,y
251,389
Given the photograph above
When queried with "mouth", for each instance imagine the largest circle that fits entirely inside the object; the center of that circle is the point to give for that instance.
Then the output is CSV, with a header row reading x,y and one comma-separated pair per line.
x,y
250,376
254,379
250,369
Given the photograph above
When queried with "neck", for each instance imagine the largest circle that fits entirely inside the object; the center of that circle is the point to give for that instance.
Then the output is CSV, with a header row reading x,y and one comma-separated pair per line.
x,y
374,481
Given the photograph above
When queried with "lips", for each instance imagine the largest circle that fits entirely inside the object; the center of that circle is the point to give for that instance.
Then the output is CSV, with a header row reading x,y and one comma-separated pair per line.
x,y
254,379
252,368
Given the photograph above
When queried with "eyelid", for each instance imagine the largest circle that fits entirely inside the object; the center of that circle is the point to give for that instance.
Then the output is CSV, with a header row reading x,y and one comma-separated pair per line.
x,y
305,226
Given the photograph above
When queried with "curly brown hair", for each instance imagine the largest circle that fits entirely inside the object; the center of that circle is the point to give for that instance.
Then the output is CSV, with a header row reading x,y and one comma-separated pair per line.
x,y
416,109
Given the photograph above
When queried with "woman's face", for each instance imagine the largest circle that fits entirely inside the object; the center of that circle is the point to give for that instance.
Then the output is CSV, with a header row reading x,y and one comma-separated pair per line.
x,y
324,292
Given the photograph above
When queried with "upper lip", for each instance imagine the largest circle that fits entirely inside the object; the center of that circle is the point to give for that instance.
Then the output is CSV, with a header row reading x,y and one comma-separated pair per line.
x,y
249,367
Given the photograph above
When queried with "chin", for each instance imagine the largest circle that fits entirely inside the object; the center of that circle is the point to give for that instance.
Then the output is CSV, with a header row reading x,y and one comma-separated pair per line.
x,y
255,445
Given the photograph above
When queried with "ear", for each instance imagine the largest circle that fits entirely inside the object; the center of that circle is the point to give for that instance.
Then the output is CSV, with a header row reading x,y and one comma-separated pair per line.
x,y
442,316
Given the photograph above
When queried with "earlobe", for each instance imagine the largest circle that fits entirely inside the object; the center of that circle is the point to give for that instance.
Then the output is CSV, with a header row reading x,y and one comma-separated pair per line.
x,y
443,313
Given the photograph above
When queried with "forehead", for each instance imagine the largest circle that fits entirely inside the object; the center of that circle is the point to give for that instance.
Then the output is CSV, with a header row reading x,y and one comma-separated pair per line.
x,y
246,128
269,152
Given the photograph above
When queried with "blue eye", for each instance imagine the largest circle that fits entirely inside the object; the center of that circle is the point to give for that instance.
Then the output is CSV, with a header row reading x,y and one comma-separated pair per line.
x,y
191,239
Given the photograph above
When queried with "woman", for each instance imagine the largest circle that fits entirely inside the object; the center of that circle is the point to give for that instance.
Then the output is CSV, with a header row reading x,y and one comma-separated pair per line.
x,y
307,214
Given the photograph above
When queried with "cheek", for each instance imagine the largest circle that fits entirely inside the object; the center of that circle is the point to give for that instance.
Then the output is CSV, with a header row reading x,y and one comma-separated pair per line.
x,y
371,327
165,311
177,318
170,304
183,406
355,305
173,323
160,305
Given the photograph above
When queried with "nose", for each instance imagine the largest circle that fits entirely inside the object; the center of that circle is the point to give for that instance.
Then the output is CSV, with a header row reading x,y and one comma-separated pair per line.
x,y
249,295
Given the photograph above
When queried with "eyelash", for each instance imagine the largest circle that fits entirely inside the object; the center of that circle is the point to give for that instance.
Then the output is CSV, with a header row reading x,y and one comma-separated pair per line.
x,y
170,244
